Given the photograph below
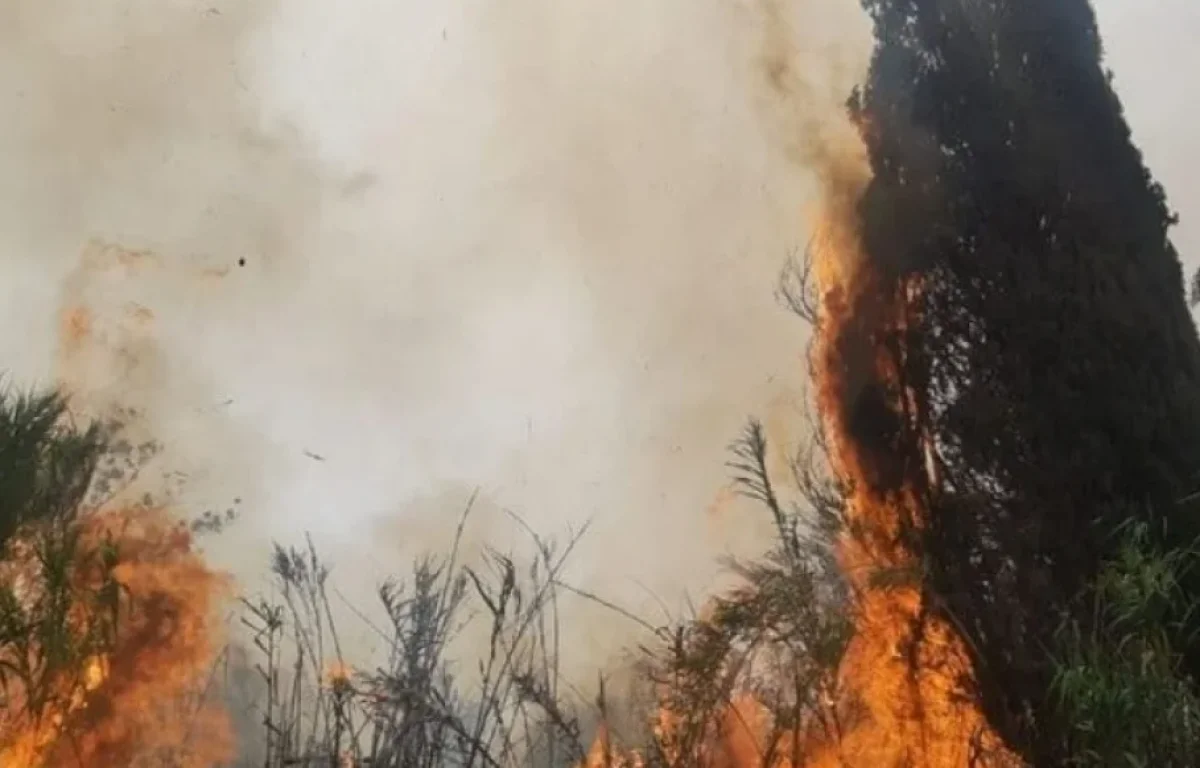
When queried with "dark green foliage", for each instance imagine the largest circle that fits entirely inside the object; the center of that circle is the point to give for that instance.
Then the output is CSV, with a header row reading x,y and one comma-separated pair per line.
x,y
46,463
1054,362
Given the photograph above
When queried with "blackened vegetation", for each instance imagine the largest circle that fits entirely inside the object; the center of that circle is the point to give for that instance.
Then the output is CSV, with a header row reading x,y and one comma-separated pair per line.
x,y
1055,366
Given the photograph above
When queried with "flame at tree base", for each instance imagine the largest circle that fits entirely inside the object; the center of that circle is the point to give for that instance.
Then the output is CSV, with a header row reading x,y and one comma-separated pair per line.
x,y
904,683
905,667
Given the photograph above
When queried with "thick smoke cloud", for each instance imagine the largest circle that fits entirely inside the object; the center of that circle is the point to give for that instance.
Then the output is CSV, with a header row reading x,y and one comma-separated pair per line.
x,y
399,251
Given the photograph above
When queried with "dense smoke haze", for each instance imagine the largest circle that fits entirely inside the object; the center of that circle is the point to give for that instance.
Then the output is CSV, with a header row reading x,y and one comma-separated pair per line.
x,y
396,251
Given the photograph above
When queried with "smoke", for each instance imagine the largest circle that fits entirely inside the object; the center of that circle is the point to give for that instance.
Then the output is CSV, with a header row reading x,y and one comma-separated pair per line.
x,y
397,252
131,130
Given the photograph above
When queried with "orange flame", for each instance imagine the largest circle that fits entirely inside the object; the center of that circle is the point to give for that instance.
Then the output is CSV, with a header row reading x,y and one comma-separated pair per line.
x,y
742,734
338,676
143,702
905,667
124,708
905,671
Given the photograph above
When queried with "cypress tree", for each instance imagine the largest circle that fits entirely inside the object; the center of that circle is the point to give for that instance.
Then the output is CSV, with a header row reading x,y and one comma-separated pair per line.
x,y
1051,365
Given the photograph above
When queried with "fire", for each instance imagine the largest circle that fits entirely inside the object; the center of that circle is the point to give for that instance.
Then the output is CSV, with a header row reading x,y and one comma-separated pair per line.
x,y
905,668
143,603
905,678
743,730
338,676
33,740
94,673
127,707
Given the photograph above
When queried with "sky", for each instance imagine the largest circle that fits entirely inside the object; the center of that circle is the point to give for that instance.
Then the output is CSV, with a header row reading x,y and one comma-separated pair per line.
x,y
400,251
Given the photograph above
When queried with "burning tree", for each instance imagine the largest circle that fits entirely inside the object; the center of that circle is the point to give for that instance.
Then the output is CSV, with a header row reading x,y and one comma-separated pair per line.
x,y
1012,360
